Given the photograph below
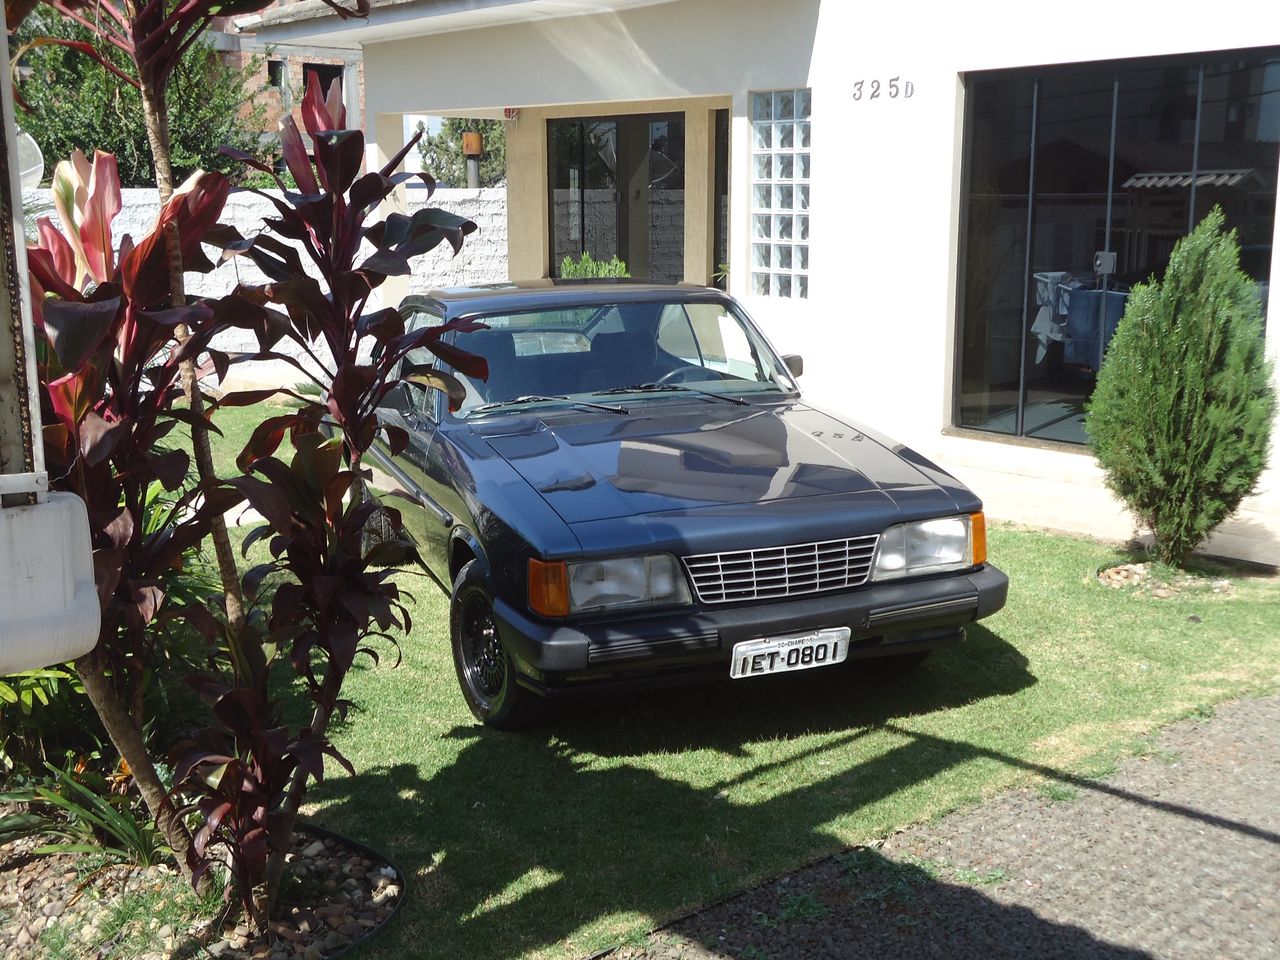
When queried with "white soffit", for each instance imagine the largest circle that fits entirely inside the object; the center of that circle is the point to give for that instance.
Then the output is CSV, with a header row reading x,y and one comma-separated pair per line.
x,y
314,22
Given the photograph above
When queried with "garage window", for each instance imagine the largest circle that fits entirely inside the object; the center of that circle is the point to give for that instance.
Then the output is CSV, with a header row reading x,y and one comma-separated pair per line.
x,y
780,170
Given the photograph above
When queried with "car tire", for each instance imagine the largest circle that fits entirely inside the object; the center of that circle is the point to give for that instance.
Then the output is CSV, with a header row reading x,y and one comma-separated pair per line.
x,y
486,671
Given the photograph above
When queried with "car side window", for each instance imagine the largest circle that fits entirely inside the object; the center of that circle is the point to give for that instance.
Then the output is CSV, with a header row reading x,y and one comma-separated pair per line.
x,y
609,321
414,399
723,343
676,336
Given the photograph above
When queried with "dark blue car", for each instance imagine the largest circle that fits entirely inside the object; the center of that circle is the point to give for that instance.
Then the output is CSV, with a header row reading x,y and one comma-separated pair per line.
x,y
638,494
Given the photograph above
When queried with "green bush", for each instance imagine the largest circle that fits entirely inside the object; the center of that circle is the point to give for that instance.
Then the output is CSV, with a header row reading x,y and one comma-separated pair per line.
x,y
79,820
588,267
76,104
44,714
1181,417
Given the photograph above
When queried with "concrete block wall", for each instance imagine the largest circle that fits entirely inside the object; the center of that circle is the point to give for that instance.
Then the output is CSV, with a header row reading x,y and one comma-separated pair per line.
x,y
483,258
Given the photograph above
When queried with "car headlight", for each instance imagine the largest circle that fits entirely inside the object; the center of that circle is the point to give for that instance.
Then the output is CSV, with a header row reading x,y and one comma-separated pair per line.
x,y
654,580
930,546
587,586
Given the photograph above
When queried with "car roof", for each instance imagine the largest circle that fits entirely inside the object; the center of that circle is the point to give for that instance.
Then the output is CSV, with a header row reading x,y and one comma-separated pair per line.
x,y
526,295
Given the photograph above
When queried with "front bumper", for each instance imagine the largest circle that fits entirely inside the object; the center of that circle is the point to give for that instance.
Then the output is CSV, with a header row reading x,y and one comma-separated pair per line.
x,y
886,618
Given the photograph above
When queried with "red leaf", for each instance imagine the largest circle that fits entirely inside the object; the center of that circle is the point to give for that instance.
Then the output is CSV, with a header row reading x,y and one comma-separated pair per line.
x,y
295,156
147,601
253,851
82,46
75,329
195,209
63,256
170,467
350,388
106,573
44,270
248,159
267,500
99,438
72,396
339,154
119,529
100,210
471,365
397,438
318,113
265,439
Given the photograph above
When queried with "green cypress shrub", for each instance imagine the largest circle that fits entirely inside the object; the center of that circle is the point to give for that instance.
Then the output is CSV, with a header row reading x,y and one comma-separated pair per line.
x,y
1181,416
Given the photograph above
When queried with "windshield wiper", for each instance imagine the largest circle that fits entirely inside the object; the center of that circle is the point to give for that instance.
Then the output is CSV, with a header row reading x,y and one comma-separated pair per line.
x,y
670,388
537,398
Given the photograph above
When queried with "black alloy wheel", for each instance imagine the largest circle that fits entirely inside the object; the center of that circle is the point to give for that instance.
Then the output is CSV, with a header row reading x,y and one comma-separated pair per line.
x,y
486,672
483,660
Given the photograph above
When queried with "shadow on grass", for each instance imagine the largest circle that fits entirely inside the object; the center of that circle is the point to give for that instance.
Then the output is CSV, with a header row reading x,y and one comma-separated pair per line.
x,y
728,716
863,904
526,838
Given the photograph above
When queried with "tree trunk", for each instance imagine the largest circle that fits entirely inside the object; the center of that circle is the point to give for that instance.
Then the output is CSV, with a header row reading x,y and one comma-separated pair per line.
x,y
156,115
127,738
329,690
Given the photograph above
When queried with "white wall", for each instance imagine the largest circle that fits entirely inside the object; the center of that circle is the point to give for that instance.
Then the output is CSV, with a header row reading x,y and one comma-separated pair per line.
x,y
886,189
878,333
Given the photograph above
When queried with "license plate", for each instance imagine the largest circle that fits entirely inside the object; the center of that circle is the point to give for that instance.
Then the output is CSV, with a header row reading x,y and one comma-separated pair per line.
x,y
799,651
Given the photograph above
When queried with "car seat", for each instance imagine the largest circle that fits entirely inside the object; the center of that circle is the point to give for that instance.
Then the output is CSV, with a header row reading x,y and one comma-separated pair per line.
x,y
621,360
498,347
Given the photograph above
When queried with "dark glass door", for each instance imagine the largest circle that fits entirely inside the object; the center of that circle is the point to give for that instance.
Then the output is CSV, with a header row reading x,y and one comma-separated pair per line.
x,y
617,189
1080,182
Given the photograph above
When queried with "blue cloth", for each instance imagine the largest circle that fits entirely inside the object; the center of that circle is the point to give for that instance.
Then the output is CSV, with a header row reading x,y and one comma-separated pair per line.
x,y
1090,326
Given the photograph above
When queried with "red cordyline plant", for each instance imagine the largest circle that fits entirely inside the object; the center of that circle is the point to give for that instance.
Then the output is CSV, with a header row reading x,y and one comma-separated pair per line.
x,y
109,370
154,35
332,592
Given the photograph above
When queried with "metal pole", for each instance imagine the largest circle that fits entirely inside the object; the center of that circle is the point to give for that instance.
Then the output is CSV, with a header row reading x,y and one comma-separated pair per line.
x,y
22,476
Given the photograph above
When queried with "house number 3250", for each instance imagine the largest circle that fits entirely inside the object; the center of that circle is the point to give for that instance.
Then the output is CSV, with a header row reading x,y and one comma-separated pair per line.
x,y
874,89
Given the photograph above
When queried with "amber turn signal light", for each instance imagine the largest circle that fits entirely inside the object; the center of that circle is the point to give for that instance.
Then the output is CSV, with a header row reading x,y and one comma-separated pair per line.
x,y
978,532
549,588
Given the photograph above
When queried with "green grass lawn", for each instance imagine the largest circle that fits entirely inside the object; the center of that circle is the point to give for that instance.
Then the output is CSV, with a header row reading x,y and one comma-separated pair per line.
x,y
626,811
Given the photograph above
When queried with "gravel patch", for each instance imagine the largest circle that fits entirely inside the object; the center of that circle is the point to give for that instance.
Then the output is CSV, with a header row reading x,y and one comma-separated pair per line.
x,y
1177,855
337,896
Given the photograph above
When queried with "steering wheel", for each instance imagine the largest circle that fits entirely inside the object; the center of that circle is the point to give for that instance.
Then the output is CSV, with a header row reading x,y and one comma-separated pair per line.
x,y
680,374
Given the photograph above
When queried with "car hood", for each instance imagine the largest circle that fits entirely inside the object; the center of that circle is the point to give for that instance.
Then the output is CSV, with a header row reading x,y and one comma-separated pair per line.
x,y
675,456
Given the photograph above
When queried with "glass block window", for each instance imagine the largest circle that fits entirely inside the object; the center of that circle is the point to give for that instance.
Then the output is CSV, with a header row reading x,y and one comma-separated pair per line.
x,y
780,166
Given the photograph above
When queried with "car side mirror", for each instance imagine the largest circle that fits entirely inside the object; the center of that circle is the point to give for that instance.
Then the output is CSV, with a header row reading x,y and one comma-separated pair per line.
x,y
795,363
398,398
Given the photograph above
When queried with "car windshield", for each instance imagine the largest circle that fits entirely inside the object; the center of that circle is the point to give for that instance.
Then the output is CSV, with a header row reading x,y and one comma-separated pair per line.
x,y
619,354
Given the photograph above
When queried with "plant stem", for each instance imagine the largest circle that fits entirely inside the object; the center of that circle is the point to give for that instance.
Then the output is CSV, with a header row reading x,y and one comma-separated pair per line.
x,y
329,690
156,116
126,736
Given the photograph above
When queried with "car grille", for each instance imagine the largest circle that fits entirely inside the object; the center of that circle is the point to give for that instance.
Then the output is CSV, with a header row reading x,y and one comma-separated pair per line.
x,y
773,572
